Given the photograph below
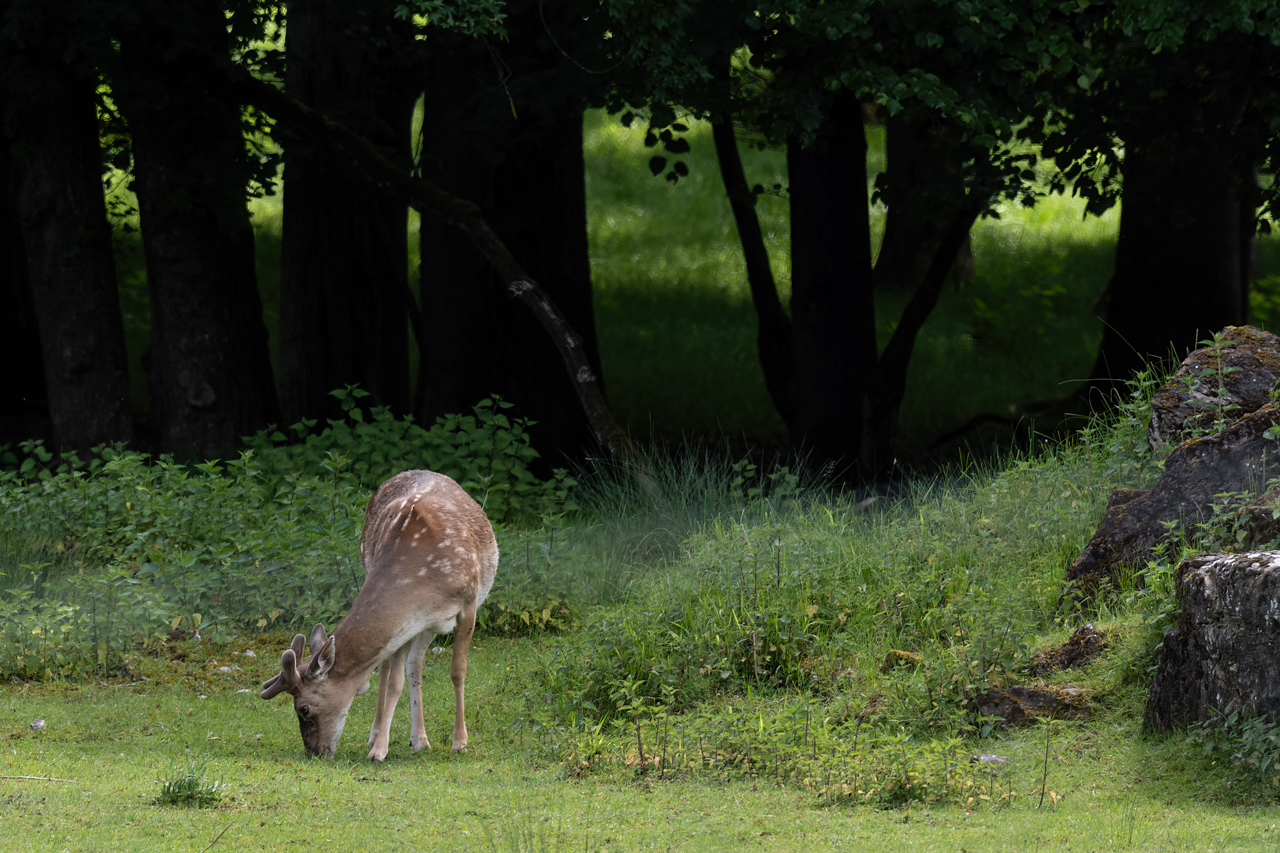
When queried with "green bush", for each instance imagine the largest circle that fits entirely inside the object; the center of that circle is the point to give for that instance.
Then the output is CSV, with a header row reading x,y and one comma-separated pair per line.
x,y
102,561
486,452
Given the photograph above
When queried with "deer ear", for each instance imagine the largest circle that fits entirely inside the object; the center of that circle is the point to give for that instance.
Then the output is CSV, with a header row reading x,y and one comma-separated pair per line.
x,y
288,680
322,661
318,638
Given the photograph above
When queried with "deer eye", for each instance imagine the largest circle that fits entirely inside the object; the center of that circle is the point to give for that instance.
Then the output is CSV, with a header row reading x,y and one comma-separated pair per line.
x,y
304,711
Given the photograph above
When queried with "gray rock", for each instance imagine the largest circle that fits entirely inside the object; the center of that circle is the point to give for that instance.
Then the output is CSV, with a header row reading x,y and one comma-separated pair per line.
x,y
1216,384
1240,458
1224,652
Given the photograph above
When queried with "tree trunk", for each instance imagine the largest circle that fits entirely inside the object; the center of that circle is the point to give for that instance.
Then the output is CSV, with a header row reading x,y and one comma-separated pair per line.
x,y
344,251
838,396
208,367
1181,271
925,195
22,396
426,197
832,302
530,173
67,244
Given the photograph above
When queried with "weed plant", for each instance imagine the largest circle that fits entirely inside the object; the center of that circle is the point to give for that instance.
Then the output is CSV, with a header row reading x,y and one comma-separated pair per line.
x,y
188,785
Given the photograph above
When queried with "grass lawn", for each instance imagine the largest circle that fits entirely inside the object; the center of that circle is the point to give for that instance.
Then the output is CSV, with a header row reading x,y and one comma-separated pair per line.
x,y
111,741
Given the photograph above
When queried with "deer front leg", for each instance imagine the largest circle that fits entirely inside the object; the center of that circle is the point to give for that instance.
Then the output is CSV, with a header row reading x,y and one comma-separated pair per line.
x,y
413,670
383,677
390,685
458,673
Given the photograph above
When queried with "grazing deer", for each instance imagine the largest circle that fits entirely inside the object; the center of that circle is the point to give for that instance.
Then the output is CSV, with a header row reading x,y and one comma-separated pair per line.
x,y
429,560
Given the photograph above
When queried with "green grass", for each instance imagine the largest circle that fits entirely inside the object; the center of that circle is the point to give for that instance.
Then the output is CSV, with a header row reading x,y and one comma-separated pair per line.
x,y
733,619
113,741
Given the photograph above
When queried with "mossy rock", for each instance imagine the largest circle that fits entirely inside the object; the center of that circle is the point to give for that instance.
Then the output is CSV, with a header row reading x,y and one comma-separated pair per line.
x,y
896,658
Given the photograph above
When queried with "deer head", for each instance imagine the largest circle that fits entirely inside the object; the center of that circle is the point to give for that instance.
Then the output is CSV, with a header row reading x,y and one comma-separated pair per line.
x,y
320,703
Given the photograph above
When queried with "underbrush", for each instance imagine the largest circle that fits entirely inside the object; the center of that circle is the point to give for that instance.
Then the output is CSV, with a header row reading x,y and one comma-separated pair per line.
x,y
842,644
108,559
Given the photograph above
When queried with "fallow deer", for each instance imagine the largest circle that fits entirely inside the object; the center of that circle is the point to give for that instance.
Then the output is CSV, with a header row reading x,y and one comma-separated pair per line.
x,y
430,558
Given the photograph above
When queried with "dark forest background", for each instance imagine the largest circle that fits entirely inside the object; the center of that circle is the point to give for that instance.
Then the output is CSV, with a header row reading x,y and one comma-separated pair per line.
x,y
853,152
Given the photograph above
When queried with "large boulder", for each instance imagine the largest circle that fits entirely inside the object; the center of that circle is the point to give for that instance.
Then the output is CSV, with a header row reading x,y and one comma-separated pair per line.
x,y
1215,385
1223,654
1240,458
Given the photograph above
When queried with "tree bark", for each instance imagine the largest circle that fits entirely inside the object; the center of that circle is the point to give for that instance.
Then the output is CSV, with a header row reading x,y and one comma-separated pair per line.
x,y
838,396
925,195
832,301
1181,271
516,149
208,367
426,197
881,436
22,395
67,245
344,251
773,327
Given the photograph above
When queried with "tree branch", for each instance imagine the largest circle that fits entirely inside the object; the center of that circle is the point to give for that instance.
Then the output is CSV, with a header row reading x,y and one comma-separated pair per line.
x,y
773,329
897,355
426,197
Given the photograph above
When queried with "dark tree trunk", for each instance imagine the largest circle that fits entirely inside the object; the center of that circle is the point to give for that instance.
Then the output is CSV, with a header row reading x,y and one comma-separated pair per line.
x,y
344,255
925,195
529,174
838,396
208,368
773,326
70,266
1181,268
426,197
832,302
22,396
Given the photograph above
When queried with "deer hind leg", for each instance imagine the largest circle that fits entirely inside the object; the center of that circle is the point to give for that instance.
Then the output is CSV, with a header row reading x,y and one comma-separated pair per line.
x,y
390,685
413,670
458,673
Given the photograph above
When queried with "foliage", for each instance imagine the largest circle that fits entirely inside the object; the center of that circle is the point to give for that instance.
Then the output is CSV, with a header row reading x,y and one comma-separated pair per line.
x,y
1246,739
486,452
778,597
101,562
832,750
187,785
